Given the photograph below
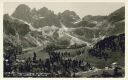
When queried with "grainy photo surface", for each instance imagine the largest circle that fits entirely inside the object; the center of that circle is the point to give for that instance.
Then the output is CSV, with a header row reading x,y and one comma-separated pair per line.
x,y
64,39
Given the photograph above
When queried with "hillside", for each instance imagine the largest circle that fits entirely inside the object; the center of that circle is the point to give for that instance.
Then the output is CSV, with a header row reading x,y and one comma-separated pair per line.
x,y
111,49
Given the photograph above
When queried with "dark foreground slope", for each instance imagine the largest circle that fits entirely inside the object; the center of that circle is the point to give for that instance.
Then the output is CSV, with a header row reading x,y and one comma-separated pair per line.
x,y
110,49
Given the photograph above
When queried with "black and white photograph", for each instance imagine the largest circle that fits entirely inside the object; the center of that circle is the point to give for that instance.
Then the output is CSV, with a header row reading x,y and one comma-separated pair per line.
x,y
63,40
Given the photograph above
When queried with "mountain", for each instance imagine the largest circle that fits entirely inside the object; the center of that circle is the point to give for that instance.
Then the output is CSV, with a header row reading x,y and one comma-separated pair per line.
x,y
15,30
90,21
95,28
68,18
67,26
117,19
19,32
117,15
38,18
11,27
45,17
49,24
85,24
94,18
90,29
23,12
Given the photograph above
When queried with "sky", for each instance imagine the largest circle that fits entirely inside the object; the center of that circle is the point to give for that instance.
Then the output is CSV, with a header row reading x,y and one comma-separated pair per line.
x,y
81,8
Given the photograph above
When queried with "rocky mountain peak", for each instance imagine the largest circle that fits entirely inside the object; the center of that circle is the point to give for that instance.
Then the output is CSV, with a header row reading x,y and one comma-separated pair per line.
x,y
22,12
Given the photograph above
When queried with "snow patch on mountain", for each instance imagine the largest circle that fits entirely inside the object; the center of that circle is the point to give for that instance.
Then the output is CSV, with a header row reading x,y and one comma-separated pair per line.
x,y
77,21
64,31
30,26
49,30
